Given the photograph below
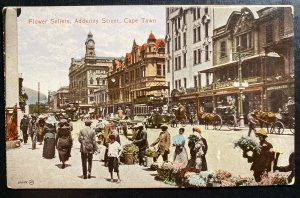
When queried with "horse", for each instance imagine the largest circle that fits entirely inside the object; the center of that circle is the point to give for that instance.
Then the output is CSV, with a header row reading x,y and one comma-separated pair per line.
x,y
180,115
265,118
207,118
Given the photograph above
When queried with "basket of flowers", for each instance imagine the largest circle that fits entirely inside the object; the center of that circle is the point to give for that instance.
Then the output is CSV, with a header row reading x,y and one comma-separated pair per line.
x,y
151,152
247,144
129,154
274,179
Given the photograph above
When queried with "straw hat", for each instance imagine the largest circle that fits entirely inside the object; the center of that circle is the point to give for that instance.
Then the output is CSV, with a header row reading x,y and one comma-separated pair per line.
x,y
262,132
196,129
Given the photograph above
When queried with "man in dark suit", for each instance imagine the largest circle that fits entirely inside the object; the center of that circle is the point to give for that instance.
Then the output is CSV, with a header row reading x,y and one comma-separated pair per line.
x,y
141,142
88,147
24,127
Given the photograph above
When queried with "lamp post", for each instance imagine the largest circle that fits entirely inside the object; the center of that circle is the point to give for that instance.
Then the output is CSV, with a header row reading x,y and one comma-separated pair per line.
x,y
241,85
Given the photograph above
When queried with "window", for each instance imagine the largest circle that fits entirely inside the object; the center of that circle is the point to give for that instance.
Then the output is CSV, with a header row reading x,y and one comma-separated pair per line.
x,y
184,39
91,81
244,41
198,13
158,70
168,47
223,49
206,10
179,84
179,62
168,66
175,43
269,33
184,82
199,80
169,87
199,33
176,85
176,67
184,19
206,53
179,41
195,81
178,22
194,14
194,34
103,82
164,70
98,80
195,57
184,60
206,29
199,56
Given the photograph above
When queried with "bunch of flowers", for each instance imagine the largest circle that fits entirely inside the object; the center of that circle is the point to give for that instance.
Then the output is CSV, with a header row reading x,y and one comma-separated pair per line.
x,y
170,172
193,139
130,149
151,152
274,179
247,144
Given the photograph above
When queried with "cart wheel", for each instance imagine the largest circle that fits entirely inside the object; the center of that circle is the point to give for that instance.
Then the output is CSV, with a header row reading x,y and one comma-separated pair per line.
x,y
217,122
277,127
231,124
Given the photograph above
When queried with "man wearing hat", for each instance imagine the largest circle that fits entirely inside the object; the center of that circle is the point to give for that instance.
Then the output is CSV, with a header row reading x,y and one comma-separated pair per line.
x,y
88,147
261,161
24,127
141,142
252,122
163,142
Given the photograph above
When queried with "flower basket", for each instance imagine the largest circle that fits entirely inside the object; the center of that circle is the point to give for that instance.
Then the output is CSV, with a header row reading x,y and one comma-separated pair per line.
x,y
129,158
247,144
151,153
129,154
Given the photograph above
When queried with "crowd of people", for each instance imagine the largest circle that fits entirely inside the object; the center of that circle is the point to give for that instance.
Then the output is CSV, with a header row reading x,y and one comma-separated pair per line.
x,y
55,134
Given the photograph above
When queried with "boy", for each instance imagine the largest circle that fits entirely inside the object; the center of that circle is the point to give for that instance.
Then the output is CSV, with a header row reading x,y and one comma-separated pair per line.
x,y
114,152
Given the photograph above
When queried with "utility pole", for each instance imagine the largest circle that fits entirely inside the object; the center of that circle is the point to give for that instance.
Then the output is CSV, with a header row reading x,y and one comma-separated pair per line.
x,y
242,124
38,98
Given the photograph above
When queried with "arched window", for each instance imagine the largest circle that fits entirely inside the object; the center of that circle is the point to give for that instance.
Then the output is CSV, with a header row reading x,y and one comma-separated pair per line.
x,y
91,81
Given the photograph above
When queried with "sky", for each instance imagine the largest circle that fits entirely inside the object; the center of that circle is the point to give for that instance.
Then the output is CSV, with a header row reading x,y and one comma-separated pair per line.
x,y
45,49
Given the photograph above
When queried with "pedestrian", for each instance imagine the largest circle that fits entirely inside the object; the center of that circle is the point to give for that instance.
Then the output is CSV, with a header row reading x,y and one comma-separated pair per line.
x,y
88,147
100,125
120,113
32,128
261,161
114,152
289,167
49,139
252,122
127,113
40,129
198,150
64,142
180,154
163,142
141,142
24,128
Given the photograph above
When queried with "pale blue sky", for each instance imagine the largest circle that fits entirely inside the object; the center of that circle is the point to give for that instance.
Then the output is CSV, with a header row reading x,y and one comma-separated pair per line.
x,y
45,50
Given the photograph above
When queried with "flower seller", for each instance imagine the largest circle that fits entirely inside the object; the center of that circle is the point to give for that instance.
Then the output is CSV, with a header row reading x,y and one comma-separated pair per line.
x,y
141,142
164,143
180,154
261,161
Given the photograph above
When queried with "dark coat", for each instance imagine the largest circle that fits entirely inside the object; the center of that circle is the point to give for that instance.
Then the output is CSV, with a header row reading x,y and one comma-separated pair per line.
x,y
290,167
141,139
193,153
24,124
87,135
64,143
262,161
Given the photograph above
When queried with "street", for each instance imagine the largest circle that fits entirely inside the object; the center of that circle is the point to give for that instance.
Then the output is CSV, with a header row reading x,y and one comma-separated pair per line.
x,y
26,168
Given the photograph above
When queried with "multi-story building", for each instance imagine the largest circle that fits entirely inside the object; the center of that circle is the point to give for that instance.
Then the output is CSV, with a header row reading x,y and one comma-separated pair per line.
x,y
87,75
261,45
188,51
61,98
140,77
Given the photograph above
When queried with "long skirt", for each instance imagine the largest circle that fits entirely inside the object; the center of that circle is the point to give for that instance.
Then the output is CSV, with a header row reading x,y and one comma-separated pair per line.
x,y
40,137
180,155
64,149
49,148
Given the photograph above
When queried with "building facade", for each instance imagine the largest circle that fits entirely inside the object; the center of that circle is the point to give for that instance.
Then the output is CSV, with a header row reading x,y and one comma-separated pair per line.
x,y
139,78
260,44
61,98
87,75
188,51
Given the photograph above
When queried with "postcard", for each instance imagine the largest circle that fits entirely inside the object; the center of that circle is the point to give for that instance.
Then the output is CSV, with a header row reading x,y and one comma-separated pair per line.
x,y
161,96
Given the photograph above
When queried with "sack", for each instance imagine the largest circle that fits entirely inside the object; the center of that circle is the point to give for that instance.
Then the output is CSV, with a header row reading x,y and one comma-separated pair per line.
x,y
89,147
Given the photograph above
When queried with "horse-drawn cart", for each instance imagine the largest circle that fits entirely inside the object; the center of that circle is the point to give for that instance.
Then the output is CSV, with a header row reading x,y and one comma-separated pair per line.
x,y
270,121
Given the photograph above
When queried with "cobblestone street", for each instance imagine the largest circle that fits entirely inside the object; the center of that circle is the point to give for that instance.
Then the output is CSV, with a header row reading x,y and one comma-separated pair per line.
x,y
27,169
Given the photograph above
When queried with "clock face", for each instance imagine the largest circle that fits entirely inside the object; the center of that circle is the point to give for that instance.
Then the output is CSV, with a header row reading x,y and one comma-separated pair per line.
x,y
91,44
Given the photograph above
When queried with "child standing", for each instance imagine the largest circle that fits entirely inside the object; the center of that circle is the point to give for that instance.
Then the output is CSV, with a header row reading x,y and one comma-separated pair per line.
x,y
114,152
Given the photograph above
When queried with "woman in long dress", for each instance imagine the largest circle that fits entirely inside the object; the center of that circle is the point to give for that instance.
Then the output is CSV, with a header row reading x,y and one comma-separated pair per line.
x,y
49,140
180,154
64,142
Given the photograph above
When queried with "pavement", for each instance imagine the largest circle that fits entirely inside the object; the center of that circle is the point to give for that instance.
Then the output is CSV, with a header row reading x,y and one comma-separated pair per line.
x,y
26,168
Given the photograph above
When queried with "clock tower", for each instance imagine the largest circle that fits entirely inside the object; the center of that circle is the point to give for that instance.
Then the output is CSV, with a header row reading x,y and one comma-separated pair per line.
x,y
90,47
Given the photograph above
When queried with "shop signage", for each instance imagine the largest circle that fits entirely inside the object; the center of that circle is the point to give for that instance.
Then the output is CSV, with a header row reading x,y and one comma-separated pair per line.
x,y
277,87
